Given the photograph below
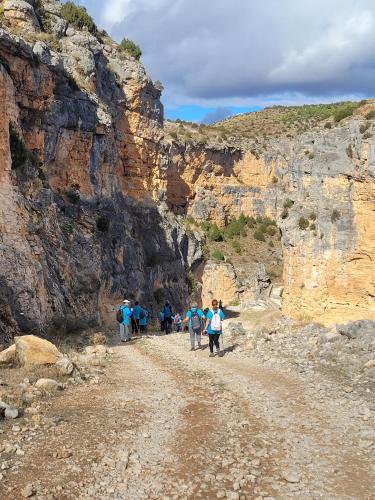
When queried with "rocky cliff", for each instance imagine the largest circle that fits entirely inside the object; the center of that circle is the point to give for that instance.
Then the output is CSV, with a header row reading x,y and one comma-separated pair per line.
x,y
79,131
319,184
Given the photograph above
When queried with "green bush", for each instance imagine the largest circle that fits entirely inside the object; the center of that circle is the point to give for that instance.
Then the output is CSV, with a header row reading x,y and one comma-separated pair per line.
x,y
312,227
303,223
102,223
312,216
214,233
236,246
271,230
345,110
130,48
311,156
259,235
275,180
18,152
328,125
78,17
288,203
335,216
43,17
370,115
217,254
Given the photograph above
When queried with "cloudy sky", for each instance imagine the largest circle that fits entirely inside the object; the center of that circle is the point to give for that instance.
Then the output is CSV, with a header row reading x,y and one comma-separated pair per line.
x,y
217,57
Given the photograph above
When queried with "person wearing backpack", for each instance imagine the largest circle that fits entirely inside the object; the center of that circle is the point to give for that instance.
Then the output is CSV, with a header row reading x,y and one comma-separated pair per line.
x,y
214,328
177,320
195,318
143,320
168,314
123,316
162,323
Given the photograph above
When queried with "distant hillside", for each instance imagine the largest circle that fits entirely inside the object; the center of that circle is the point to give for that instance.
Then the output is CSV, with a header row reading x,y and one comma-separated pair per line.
x,y
277,121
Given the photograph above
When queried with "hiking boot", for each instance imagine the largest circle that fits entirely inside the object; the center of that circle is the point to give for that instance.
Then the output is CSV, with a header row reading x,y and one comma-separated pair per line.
x,y
212,355
199,346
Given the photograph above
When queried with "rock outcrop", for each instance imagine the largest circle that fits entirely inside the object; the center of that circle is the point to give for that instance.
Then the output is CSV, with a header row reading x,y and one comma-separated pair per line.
x,y
80,222
319,186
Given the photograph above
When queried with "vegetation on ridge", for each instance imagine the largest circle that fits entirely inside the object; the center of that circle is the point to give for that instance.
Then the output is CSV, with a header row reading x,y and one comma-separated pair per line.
x,y
130,48
78,17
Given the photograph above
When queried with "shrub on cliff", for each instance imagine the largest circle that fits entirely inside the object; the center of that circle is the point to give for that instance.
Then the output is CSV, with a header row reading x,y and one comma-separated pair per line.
x,y
217,254
345,110
215,233
303,223
236,246
78,17
370,115
288,203
43,16
130,48
259,235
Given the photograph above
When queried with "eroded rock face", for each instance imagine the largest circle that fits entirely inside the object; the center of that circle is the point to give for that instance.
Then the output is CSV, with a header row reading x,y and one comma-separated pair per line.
x,y
79,224
326,179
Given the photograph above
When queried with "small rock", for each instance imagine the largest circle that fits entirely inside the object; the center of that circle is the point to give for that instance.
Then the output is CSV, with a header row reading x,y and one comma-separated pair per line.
x,y
28,491
369,364
47,384
348,389
291,477
146,435
11,412
65,366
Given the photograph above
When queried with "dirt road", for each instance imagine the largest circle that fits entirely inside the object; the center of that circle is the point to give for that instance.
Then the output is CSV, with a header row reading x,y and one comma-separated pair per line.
x,y
169,423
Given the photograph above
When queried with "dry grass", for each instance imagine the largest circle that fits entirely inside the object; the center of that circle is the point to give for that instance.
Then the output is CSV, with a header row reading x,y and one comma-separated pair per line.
x,y
98,338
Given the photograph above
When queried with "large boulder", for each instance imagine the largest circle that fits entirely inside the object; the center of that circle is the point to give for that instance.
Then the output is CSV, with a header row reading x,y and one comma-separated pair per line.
x,y
32,350
21,14
8,356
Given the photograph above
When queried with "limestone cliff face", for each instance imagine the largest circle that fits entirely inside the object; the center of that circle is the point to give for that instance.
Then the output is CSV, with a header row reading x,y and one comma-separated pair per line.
x,y
320,188
79,227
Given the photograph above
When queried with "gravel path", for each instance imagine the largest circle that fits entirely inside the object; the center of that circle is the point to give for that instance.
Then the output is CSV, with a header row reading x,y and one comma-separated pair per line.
x,y
165,422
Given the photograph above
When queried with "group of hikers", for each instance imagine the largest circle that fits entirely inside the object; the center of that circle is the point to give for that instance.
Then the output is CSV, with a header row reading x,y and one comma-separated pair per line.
x,y
132,319
196,322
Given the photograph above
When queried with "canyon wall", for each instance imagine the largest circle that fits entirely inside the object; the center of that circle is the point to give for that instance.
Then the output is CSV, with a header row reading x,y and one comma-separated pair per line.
x,y
319,187
79,226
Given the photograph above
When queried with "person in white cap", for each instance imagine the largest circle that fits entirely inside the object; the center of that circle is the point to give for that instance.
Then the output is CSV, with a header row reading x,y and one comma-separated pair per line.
x,y
125,320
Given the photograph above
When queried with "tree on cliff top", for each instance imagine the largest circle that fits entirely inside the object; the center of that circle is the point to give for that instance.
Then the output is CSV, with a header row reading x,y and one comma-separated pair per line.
x,y
131,48
78,17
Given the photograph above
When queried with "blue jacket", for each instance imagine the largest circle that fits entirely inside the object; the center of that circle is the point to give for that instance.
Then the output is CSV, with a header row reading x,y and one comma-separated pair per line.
x,y
137,311
126,313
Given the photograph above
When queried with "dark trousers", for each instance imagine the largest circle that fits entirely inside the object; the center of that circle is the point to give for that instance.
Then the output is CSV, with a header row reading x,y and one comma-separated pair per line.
x,y
162,326
168,325
214,338
135,325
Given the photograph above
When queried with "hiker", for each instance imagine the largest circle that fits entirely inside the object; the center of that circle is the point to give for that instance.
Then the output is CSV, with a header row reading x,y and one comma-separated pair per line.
x,y
214,328
136,310
161,318
123,317
143,320
177,320
220,305
168,314
195,318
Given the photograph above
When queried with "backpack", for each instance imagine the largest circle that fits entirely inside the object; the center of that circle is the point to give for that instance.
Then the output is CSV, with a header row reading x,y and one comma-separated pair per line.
x,y
216,322
120,316
195,321
142,314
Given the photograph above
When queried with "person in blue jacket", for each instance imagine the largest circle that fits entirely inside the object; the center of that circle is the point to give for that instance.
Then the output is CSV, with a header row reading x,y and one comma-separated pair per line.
x,y
143,318
214,327
168,314
135,319
195,319
124,325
